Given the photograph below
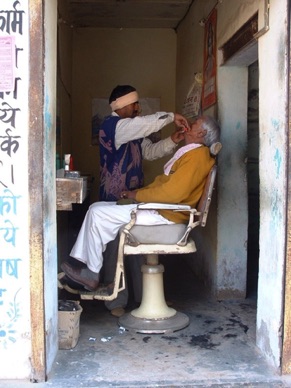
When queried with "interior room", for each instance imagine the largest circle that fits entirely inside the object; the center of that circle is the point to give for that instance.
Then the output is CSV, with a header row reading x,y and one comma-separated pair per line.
x,y
159,62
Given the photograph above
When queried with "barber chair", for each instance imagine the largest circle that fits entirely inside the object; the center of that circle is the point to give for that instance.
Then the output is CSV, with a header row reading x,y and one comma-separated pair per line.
x,y
153,315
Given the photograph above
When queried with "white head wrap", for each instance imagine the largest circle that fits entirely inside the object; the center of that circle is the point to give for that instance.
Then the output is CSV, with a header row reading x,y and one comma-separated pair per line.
x,y
121,102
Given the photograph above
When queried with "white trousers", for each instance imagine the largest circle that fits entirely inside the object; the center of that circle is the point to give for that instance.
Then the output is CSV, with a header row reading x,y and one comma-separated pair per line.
x,y
102,224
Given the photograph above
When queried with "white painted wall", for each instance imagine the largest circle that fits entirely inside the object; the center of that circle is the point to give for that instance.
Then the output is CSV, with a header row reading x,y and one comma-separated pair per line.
x,y
232,218
16,307
15,330
273,78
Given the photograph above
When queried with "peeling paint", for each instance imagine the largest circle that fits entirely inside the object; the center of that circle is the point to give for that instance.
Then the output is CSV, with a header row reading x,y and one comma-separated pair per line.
x,y
278,161
275,124
263,339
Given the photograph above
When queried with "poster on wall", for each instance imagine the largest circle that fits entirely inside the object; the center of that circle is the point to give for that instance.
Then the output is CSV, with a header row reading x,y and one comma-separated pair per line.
x,y
209,64
192,103
101,109
7,55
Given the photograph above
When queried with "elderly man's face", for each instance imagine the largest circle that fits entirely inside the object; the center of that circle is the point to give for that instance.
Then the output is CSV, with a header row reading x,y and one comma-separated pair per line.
x,y
196,133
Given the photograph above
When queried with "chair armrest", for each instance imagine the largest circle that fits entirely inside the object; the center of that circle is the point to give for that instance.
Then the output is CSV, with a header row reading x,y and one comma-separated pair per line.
x,y
162,206
168,206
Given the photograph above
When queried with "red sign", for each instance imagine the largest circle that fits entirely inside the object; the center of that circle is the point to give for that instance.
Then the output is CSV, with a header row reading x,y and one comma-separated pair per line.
x,y
209,66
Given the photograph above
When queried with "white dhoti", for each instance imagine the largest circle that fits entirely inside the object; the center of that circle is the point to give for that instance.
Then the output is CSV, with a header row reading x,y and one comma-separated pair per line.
x,y
102,224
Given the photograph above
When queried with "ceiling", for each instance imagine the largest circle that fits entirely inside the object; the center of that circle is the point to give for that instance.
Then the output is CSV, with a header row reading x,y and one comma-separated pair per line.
x,y
127,13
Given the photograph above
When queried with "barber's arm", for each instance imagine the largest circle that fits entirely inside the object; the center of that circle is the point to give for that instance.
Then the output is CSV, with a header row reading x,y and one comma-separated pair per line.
x,y
177,136
140,127
152,151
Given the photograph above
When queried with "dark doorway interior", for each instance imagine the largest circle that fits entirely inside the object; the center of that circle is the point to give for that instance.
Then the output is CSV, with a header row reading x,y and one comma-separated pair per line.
x,y
253,179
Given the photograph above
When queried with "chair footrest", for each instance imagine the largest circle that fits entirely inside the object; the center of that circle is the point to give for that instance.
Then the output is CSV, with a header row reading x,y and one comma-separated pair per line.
x,y
103,292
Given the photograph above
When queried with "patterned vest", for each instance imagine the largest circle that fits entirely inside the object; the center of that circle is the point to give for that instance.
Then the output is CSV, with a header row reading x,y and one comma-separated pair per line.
x,y
119,169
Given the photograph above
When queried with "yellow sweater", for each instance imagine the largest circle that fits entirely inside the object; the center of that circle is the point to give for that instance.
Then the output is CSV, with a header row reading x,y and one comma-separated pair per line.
x,y
183,185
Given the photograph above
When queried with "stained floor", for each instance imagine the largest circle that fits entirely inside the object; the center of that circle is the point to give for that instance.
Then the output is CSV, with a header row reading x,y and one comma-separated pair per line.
x,y
217,349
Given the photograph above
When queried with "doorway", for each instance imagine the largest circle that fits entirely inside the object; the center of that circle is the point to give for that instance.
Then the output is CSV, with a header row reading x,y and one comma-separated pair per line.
x,y
253,180
253,203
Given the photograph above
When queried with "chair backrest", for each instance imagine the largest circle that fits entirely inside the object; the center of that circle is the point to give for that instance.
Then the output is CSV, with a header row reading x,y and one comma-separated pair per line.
x,y
205,200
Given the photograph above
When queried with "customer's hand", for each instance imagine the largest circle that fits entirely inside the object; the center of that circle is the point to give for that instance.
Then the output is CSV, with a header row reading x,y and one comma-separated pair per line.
x,y
128,194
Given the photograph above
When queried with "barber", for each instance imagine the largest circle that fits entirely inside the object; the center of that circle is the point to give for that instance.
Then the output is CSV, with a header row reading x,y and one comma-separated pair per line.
x,y
124,143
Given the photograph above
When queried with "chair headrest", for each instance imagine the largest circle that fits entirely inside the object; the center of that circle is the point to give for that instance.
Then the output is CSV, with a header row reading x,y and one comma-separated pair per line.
x,y
215,148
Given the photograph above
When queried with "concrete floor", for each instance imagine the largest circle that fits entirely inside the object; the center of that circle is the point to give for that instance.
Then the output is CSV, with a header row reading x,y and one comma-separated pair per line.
x,y
217,349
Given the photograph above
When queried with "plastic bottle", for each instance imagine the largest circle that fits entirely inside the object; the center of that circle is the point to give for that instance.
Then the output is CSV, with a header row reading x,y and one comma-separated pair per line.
x,y
71,165
67,158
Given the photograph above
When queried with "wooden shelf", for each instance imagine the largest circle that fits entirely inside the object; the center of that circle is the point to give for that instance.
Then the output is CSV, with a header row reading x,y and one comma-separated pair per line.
x,y
71,190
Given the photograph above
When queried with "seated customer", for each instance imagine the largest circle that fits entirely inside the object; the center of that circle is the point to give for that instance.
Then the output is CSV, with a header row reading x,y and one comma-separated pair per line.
x,y
182,182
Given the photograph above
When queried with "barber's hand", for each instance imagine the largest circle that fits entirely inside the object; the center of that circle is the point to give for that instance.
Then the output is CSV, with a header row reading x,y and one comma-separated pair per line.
x,y
177,136
181,121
